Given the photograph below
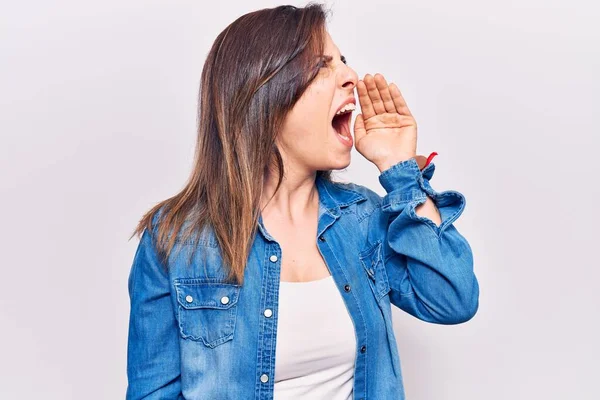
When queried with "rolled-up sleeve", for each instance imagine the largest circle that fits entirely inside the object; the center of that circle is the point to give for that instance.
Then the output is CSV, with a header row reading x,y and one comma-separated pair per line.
x,y
429,267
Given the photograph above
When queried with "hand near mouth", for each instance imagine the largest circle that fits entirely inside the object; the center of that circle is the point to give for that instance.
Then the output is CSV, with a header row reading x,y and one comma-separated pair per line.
x,y
386,132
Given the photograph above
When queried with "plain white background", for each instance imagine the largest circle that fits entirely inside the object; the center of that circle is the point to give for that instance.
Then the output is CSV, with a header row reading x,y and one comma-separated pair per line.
x,y
97,122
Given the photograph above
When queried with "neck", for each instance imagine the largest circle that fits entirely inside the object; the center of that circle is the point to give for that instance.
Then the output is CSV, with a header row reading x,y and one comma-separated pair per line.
x,y
297,195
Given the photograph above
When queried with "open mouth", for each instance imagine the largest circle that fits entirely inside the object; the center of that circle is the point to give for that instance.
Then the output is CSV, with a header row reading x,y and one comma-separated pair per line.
x,y
341,124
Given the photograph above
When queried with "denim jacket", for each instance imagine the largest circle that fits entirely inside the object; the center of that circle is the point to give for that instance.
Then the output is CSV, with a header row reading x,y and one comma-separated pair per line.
x,y
194,336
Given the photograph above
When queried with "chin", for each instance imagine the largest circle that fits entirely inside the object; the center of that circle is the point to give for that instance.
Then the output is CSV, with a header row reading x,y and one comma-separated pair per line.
x,y
341,162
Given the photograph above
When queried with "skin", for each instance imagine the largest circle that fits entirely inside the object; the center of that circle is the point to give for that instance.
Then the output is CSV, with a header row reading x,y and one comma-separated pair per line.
x,y
385,134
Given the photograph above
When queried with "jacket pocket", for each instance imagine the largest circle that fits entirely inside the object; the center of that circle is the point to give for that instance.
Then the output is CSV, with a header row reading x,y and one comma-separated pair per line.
x,y
207,310
371,259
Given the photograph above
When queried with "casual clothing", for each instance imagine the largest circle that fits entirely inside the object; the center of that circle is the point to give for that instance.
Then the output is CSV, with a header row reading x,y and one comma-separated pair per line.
x,y
193,336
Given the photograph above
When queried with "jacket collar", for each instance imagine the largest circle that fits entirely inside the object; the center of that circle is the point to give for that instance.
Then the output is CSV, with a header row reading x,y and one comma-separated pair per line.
x,y
332,197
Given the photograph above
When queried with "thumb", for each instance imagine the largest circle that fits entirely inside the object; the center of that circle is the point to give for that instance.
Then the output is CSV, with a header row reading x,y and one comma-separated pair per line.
x,y
359,128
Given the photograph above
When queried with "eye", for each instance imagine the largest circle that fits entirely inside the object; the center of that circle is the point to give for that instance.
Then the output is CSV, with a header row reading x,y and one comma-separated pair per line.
x,y
343,58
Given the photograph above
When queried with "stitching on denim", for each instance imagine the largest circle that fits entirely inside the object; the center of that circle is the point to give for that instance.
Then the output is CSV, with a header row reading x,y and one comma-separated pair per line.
x,y
370,212
357,305
198,338
439,230
179,321
411,164
200,242
412,213
205,280
180,299
385,279
365,252
407,195
348,210
375,251
462,203
275,297
262,324
341,186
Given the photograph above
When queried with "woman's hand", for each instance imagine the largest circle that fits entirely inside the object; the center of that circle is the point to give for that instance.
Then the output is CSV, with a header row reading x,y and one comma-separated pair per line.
x,y
386,132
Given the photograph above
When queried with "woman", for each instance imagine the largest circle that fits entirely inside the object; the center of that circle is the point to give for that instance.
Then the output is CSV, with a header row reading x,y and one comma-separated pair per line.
x,y
264,278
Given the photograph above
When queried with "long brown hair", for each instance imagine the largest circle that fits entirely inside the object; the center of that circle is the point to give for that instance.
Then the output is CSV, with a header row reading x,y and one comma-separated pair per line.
x,y
257,69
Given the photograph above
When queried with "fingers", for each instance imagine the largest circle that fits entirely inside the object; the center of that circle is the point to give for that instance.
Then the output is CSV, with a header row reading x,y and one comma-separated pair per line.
x,y
366,106
373,91
376,96
384,93
399,101
359,129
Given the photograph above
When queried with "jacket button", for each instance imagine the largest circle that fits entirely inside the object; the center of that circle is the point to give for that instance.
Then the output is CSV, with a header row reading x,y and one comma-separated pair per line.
x,y
347,288
264,378
224,300
363,349
189,298
322,238
273,258
268,312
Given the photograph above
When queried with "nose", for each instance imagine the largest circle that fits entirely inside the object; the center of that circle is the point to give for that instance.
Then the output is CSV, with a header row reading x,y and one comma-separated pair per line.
x,y
349,78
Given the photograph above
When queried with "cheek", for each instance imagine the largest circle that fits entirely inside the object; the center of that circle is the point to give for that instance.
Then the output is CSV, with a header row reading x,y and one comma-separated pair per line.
x,y
318,99
309,125
319,116
314,120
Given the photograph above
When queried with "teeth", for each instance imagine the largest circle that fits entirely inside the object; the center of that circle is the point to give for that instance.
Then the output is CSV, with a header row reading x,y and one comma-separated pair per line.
x,y
346,108
347,139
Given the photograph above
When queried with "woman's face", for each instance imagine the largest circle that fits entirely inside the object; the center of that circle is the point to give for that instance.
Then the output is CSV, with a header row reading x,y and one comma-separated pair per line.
x,y
309,140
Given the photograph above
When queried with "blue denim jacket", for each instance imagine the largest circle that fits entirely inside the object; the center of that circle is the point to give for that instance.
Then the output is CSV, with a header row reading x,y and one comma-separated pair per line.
x,y
193,336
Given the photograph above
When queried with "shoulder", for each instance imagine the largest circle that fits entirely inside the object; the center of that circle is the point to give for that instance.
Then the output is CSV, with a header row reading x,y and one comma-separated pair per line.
x,y
368,202
369,194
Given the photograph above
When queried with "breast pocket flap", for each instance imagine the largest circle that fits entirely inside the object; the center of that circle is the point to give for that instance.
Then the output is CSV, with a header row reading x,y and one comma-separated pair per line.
x,y
207,310
207,295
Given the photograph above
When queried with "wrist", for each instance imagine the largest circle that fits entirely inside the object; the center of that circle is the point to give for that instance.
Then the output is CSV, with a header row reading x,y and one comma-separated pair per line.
x,y
389,162
422,161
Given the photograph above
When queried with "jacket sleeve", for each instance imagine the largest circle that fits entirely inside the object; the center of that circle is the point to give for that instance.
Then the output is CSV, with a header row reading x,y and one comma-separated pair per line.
x,y
429,268
153,367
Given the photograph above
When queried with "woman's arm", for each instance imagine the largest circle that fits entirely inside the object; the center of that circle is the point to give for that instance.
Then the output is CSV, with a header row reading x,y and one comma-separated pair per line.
x,y
153,369
429,265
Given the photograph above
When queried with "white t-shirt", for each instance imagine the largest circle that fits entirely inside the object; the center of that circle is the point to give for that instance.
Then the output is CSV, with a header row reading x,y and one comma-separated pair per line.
x,y
316,344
